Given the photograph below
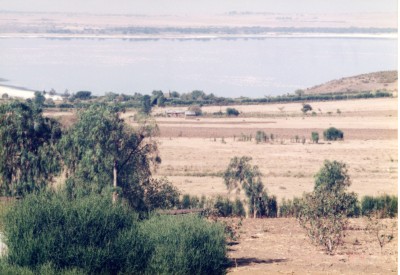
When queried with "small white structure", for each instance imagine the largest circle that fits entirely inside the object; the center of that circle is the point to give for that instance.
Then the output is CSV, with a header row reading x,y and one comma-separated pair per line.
x,y
190,113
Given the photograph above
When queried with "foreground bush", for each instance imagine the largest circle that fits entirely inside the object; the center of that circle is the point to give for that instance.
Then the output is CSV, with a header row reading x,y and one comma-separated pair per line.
x,y
88,233
185,245
46,269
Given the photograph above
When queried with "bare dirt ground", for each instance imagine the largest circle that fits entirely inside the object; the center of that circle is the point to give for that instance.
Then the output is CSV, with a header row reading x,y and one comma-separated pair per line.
x,y
280,246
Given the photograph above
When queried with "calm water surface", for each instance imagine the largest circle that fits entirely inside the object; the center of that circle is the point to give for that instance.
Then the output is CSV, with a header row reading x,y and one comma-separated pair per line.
x,y
232,68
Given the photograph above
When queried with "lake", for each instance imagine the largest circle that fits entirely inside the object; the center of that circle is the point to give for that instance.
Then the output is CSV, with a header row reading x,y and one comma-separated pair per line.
x,y
236,67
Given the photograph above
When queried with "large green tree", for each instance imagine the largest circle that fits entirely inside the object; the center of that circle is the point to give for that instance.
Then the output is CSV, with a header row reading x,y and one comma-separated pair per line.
x,y
28,156
101,151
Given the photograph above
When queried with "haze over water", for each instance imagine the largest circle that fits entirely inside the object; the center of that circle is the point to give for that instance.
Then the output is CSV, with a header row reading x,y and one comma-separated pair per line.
x,y
237,67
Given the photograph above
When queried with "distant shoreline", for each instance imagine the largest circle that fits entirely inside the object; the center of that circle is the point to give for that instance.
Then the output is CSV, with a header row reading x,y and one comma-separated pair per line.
x,y
203,37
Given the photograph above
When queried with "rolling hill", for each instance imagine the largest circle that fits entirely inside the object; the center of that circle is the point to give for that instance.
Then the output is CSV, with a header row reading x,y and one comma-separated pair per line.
x,y
385,80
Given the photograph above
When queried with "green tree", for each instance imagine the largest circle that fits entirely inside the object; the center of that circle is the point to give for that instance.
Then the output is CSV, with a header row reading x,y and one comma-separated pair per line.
x,y
101,150
232,112
28,156
39,99
306,107
146,105
333,134
324,211
83,95
155,97
315,137
240,174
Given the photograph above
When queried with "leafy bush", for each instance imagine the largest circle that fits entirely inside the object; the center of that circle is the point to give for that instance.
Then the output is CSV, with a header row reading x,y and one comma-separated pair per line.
x,y
306,107
227,208
185,245
290,208
46,269
232,112
88,233
261,136
315,137
384,206
161,194
324,211
333,134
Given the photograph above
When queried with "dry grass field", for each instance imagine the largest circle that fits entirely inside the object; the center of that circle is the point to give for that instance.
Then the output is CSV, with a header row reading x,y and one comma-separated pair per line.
x,y
194,156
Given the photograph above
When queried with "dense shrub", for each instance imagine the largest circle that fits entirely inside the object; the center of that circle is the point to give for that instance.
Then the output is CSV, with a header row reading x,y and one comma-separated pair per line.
x,y
315,137
46,269
261,136
333,134
185,245
290,208
384,206
232,112
88,233
227,208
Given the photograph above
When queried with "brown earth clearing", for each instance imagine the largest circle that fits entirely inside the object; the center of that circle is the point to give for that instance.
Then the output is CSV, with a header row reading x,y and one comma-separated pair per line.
x,y
280,246
195,152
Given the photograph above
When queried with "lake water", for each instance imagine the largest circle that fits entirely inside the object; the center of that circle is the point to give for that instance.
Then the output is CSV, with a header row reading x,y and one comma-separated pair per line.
x,y
253,67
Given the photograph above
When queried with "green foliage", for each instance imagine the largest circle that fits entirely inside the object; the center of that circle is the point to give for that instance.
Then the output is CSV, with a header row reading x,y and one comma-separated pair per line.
x,y
240,174
39,99
161,194
383,206
28,156
45,269
315,137
333,134
232,112
146,105
306,107
101,150
227,208
290,208
89,233
83,95
261,136
185,245
324,211
186,202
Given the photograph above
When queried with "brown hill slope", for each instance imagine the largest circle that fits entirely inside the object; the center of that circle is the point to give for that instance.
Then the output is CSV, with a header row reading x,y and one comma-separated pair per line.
x,y
386,80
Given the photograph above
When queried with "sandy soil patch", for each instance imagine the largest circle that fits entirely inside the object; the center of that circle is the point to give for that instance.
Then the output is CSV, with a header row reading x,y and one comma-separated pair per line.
x,y
280,246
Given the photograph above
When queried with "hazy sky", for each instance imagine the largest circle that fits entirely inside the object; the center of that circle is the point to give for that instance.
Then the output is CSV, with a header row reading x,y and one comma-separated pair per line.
x,y
199,6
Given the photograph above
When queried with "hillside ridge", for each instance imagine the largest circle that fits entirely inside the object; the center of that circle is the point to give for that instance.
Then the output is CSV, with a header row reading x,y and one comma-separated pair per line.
x,y
382,81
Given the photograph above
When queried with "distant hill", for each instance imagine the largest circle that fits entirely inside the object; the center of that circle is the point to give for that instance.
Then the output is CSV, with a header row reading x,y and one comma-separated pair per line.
x,y
386,80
